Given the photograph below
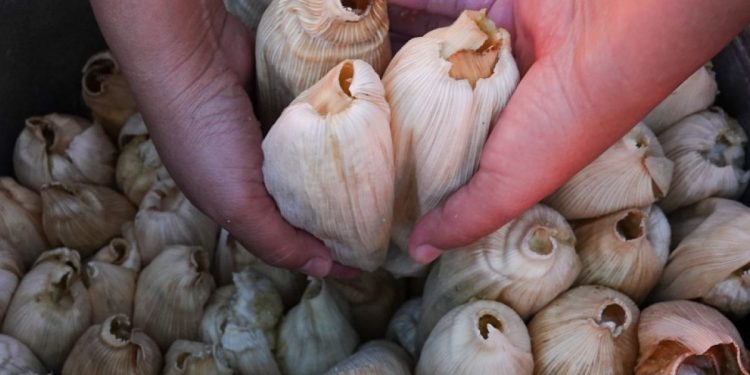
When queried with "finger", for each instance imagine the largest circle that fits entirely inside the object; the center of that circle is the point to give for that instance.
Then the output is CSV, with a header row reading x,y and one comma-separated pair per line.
x,y
413,18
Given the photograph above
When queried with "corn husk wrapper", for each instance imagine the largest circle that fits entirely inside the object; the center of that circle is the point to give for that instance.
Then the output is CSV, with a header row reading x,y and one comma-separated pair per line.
x,y
632,173
695,94
375,358
587,330
106,92
684,337
402,328
137,168
83,217
166,217
121,251
708,150
329,164
110,284
232,257
195,358
248,11
63,148
252,301
317,333
712,261
480,337
625,251
50,308
300,41
462,75
373,297
114,347
524,264
171,295
134,127
248,350
11,272
21,220
17,359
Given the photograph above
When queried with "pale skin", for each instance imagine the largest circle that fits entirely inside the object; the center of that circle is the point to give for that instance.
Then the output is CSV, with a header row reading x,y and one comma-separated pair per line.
x,y
591,71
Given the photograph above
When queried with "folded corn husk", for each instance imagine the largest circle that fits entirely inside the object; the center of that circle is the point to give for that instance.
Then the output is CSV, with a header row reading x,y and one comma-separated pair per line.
x,y
114,347
708,150
525,264
248,350
693,95
712,261
121,251
166,217
625,251
316,334
480,337
17,359
195,358
683,337
232,257
110,284
587,330
373,297
375,358
300,41
462,76
632,173
329,164
403,326
171,294
107,93
248,11
21,220
50,308
11,271
63,148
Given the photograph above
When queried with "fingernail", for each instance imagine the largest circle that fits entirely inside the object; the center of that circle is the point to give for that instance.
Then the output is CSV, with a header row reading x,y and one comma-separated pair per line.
x,y
426,253
317,267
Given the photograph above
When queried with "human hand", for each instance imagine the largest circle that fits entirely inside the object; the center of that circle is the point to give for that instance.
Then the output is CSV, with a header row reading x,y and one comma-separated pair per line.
x,y
591,71
188,63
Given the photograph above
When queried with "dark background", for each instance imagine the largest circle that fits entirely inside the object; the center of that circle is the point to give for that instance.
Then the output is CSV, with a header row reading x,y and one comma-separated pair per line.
x,y
44,44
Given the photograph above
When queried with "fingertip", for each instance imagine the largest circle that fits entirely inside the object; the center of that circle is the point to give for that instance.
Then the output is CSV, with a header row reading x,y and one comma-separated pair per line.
x,y
424,253
317,267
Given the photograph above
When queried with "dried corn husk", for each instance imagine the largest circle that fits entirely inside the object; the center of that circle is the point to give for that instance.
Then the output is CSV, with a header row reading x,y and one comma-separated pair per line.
x,y
248,11
375,358
462,76
135,127
693,95
317,333
480,337
329,164
708,150
632,173
121,251
195,358
166,217
21,220
83,217
403,326
63,148
232,257
11,271
251,302
111,289
114,347
587,330
712,261
300,41
373,297
248,351
683,337
50,308
107,93
525,264
625,251
171,294
17,359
